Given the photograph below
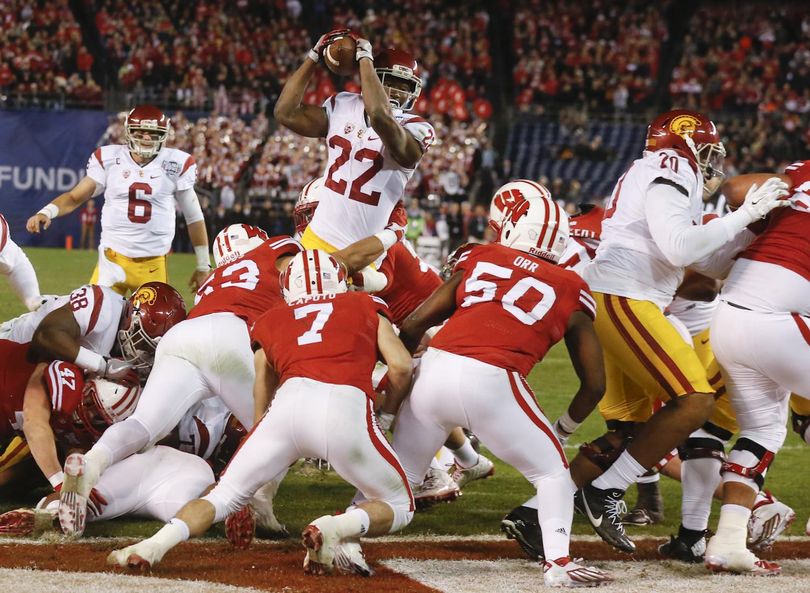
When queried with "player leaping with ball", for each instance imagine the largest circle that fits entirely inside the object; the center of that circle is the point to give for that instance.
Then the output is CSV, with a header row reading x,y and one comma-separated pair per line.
x,y
374,144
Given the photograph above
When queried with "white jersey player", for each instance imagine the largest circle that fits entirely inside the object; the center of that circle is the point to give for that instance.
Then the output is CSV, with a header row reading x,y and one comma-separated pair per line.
x,y
17,267
374,144
141,182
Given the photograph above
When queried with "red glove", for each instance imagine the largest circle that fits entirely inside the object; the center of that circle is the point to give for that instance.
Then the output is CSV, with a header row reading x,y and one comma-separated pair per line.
x,y
325,40
398,221
95,502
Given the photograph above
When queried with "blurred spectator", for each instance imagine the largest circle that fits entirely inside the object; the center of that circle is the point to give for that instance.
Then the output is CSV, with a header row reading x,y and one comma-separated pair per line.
x,y
88,219
478,224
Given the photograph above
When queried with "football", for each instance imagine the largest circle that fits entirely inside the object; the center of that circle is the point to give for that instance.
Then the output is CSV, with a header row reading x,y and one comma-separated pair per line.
x,y
735,188
339,56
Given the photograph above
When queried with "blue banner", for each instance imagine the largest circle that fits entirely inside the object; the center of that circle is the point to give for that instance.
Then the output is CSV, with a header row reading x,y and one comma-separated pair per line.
x,y
43,154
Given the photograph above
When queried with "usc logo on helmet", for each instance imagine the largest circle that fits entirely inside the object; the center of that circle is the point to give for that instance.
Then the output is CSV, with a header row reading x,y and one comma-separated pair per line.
x,y
146,294
684,125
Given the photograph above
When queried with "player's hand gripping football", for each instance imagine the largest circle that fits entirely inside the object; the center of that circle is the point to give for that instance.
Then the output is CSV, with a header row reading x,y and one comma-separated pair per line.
x,y
759,201
316,52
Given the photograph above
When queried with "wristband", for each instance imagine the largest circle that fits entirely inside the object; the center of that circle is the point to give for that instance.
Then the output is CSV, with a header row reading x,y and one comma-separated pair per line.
x,y
313,55
51,211
388,238
203,259
56,479
87,359
567,423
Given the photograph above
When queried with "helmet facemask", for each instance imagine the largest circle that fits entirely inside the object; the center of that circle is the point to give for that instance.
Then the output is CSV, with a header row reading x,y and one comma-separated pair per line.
x,y
142,146
710,159
399,97
137,347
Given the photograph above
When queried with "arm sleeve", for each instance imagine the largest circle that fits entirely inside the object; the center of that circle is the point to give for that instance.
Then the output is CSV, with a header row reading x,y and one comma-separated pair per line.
x,y
189,205
718,263
670,223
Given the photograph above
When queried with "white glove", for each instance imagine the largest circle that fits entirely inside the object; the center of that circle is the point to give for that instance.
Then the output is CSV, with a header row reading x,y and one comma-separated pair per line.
x,y
759,201
117,369
363,50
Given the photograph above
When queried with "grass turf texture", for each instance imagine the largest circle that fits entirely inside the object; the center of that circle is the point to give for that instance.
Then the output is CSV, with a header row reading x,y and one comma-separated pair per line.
x,y
305,497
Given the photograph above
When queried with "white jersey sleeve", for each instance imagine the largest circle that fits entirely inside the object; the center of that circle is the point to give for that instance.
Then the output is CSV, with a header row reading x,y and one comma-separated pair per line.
x,y
97,310
97,171
188,174
419,128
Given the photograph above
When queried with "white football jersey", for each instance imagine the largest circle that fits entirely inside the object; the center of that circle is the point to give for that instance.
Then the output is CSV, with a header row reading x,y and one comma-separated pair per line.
x,y
362,181
628,262
137,219
203,426
97,310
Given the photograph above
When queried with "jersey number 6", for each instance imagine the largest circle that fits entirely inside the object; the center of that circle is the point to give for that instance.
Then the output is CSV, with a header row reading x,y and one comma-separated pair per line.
x,y
139,210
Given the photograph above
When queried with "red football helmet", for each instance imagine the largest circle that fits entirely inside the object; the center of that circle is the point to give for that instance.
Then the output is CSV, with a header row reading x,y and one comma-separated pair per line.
x,y
694,135
306,205
397,64
155,308
152,121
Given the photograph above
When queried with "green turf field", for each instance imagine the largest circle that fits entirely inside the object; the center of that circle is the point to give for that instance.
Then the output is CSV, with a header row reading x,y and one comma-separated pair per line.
x,y
479,510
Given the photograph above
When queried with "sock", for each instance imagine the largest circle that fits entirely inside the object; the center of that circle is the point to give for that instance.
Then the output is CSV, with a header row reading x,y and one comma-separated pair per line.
x,y
465,455
733,523
690,536
624,471
353,523
556,514
700,478
651,478
171,534
531,503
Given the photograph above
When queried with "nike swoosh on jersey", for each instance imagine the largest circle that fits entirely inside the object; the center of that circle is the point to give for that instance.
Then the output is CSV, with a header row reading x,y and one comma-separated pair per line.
x,y
154,176
371,139
593,520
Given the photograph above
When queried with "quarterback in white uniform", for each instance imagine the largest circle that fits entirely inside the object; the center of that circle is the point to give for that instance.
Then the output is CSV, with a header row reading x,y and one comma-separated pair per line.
x,y
141,182
374,144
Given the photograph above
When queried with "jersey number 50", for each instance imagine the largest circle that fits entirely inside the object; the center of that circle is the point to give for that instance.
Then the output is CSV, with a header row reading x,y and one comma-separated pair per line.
x,y
356,192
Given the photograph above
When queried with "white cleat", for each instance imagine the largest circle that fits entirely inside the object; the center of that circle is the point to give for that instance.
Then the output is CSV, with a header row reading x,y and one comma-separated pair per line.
x,y
483,469
437,487
80,478
769,519
723,555
141,556
320,539
267,525
564,572
349,558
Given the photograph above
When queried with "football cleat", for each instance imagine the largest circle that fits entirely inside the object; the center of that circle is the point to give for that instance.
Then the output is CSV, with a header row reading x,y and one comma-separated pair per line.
x,y
521,525
140,557
240,527
267,525
689,546
604,510
75,493
483,469
564,572
649,508
28,522
769,519
437,487
728,555
349,558
320,539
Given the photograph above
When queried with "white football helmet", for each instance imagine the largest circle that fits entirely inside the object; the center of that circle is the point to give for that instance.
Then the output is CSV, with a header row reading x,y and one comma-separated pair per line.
x,y
236,240
509,195
306,204
311,273
537,226
106,402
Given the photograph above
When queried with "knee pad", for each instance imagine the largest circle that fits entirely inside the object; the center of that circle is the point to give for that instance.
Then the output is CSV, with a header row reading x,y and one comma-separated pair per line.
x,y
602,452
744,452
800,425
403,514
702,447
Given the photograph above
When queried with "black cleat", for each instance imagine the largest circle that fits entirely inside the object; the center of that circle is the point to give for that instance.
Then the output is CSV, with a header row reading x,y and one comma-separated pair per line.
x,y
649,508
689,546
604,510
521,525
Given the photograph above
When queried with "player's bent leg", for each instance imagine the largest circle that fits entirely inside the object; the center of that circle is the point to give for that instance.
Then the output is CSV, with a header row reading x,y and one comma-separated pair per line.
x,y
230,370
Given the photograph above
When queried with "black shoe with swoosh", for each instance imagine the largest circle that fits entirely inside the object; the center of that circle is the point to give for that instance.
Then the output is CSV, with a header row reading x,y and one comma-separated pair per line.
x,y
604,510
521,525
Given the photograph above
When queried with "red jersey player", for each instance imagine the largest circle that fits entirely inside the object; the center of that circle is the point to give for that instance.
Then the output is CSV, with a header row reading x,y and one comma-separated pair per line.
x,y
507,304
208,355
762,340
318,351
